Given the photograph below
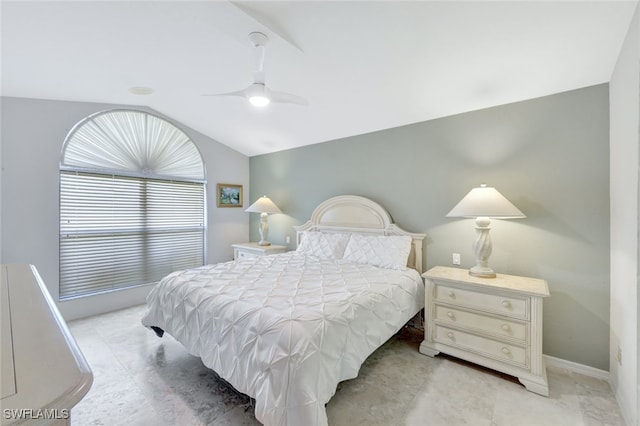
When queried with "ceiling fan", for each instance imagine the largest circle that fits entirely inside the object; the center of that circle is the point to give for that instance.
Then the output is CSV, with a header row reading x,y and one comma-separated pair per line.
x,y
258,93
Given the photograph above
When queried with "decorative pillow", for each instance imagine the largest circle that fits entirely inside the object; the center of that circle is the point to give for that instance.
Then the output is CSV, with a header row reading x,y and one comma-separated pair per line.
x,y
385,251
323,245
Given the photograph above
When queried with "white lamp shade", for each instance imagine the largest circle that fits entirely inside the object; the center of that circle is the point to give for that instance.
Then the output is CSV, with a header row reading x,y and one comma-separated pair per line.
x,y
263,205
485,201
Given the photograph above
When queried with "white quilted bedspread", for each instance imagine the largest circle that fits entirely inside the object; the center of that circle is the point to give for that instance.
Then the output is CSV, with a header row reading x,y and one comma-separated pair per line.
x,y
285,329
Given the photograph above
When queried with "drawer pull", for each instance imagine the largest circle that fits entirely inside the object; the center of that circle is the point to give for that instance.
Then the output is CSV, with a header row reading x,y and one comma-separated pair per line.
x,y
450,335
506,351
452,294
451,315
505,327
506,303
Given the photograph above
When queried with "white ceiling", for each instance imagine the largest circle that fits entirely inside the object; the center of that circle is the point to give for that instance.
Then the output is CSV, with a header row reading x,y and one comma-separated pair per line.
x,y
362,65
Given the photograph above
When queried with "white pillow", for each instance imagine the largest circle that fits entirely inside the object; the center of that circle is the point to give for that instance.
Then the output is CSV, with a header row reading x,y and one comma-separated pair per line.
x,y
323,245
385,251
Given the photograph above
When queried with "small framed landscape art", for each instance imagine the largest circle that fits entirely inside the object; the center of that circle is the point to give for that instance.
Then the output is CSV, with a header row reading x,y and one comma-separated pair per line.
x,y
229,195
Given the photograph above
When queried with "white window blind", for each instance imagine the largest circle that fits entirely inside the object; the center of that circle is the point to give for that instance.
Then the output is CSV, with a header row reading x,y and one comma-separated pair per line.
x,y
122,226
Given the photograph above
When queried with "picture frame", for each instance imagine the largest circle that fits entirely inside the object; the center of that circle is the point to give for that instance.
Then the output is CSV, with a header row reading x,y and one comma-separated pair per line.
x,y
229,195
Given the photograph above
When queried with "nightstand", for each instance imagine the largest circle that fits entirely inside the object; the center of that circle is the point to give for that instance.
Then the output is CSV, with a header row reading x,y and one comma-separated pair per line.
x,y
247,250
494,322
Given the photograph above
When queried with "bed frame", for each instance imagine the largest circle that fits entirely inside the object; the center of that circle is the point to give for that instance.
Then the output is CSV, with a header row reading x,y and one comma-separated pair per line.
x,y
355,214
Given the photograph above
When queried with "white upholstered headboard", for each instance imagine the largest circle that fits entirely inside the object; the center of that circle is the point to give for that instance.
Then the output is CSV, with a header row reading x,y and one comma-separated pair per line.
x,y
355,214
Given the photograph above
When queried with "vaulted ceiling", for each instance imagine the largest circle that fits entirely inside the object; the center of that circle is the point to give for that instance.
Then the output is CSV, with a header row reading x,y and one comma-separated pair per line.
x,y
362,65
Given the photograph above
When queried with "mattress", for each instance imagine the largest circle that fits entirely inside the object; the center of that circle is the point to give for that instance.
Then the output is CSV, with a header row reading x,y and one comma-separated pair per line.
x,y
285,329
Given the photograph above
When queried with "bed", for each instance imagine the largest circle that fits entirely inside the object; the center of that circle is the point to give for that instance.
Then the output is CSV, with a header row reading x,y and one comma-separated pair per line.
x,y
286,328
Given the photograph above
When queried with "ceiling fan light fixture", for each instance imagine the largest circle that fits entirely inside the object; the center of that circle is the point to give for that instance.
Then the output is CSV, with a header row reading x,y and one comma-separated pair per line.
x,y
259,101
257,95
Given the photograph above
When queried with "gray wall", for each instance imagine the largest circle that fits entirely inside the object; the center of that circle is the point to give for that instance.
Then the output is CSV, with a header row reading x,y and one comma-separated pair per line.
x,y
549,156
32,135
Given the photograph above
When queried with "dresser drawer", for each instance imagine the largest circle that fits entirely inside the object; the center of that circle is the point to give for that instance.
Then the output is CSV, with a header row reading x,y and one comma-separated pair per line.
x,y
498,304
502,327
245,255
503,352
251,250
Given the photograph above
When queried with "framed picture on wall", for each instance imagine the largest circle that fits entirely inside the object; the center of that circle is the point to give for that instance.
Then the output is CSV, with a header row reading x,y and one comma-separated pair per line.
x,y
229,195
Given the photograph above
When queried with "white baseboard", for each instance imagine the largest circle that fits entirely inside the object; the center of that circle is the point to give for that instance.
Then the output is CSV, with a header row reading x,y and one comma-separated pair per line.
x,y
576,368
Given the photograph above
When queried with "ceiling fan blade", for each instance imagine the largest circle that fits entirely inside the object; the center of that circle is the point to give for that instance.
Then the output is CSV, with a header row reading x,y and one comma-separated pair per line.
x,y
238,93
287,98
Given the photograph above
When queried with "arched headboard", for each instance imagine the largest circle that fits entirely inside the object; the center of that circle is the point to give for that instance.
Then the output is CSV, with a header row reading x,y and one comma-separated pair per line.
x,y
355,214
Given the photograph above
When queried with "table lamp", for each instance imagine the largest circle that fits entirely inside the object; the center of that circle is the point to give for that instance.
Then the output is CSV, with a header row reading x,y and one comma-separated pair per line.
x,y
484,203
264,206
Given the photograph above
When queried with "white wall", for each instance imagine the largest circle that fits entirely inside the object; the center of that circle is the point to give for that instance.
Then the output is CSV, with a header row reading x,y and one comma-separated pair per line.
x,y
624,101
32,134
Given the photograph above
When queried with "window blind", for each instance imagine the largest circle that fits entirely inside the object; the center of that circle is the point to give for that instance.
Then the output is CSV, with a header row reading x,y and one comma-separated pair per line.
x,y
121,231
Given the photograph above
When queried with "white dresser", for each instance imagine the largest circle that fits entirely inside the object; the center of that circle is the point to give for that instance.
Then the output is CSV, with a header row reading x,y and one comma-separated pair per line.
x,y
44,373
494,322
246,250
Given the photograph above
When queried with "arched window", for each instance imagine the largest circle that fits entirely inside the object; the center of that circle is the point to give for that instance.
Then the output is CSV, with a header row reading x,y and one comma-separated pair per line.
x,y
132,203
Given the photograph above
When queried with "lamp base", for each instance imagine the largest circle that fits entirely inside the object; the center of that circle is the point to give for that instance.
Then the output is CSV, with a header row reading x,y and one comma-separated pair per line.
x,y
264,230
482,248
482,272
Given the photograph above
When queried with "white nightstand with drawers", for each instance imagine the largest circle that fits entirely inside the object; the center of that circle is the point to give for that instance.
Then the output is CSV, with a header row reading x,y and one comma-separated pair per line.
x,y
246,250
494,322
